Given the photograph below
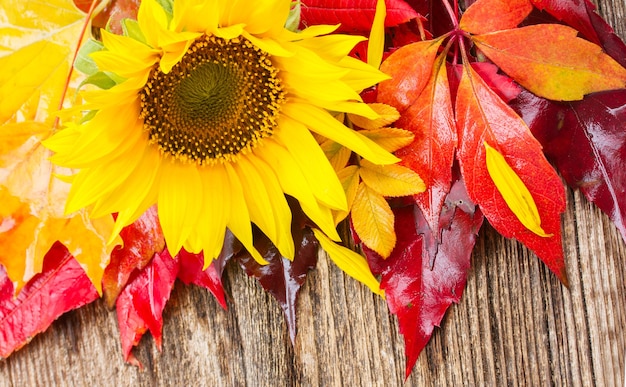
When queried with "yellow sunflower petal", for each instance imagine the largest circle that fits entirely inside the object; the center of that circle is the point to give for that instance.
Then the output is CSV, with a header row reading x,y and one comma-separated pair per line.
x,y
312,162
180,194
295,184
324,124
212,225
152,19
239,221
350,262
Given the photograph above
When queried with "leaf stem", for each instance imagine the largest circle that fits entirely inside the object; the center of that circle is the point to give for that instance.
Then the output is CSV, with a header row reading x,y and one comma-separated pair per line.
x,y
452,13
88,17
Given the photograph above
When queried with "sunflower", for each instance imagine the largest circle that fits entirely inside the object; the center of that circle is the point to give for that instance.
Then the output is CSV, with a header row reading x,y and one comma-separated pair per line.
x,y
216,118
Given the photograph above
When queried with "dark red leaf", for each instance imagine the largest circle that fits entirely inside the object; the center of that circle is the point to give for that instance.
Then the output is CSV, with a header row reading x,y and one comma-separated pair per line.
x,y
60,287
587,142
354,15
142,240
141,303
417,291
283,278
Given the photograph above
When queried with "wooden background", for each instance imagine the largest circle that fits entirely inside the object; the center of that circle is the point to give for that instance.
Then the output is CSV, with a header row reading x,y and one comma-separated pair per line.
x,y
515,325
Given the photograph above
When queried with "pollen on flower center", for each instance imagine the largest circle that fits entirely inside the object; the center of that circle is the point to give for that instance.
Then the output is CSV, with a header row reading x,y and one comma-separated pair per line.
x,y
218,101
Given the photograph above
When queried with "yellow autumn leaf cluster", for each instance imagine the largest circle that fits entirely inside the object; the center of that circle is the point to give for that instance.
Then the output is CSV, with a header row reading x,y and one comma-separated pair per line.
x,y
37,42
367,185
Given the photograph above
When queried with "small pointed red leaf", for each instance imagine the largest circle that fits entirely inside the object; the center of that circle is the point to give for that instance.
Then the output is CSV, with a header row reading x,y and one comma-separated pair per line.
x,y
354,15
141,303
211,278
60,287
142,240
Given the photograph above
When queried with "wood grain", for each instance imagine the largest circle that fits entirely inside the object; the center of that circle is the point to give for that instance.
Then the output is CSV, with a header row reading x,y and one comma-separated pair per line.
x,y
515,325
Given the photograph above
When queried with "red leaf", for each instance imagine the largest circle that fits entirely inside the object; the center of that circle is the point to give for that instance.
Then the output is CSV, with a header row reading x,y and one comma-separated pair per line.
x,y
431,119
575,13
142,240
587,142
504,86
354,15
141,303
483,117
60,287
211,278
419,292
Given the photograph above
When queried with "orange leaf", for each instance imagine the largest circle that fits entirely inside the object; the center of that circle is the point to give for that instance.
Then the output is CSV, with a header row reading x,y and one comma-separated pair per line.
x,y
373,220
550,61
493,15
483,117
411,67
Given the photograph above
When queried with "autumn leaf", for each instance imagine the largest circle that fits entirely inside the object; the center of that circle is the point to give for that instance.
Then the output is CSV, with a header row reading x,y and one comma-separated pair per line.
x,y
411,67
60,287
431,154
283,278
577,14
486,16
551,61
587,142
140,305
142,239
372,220
34,66
417,290
355,15
482,116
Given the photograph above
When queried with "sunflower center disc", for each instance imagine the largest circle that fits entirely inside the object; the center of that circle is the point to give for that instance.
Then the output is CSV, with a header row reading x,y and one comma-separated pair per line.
x,y
219,100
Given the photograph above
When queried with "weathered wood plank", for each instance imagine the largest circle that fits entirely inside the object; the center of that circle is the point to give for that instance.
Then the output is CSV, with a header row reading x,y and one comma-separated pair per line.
x,y
515,325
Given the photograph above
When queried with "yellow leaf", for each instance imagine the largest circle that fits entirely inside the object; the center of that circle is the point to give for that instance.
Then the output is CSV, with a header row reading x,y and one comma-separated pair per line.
x,y
349,178
390,139
37,40
337,154
513,191
350,262
373,220
386,115
391,180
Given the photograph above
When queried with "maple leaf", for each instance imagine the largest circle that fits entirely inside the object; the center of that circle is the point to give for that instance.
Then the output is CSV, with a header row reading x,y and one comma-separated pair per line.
x,y
61,286
354,15
34,66
191,268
